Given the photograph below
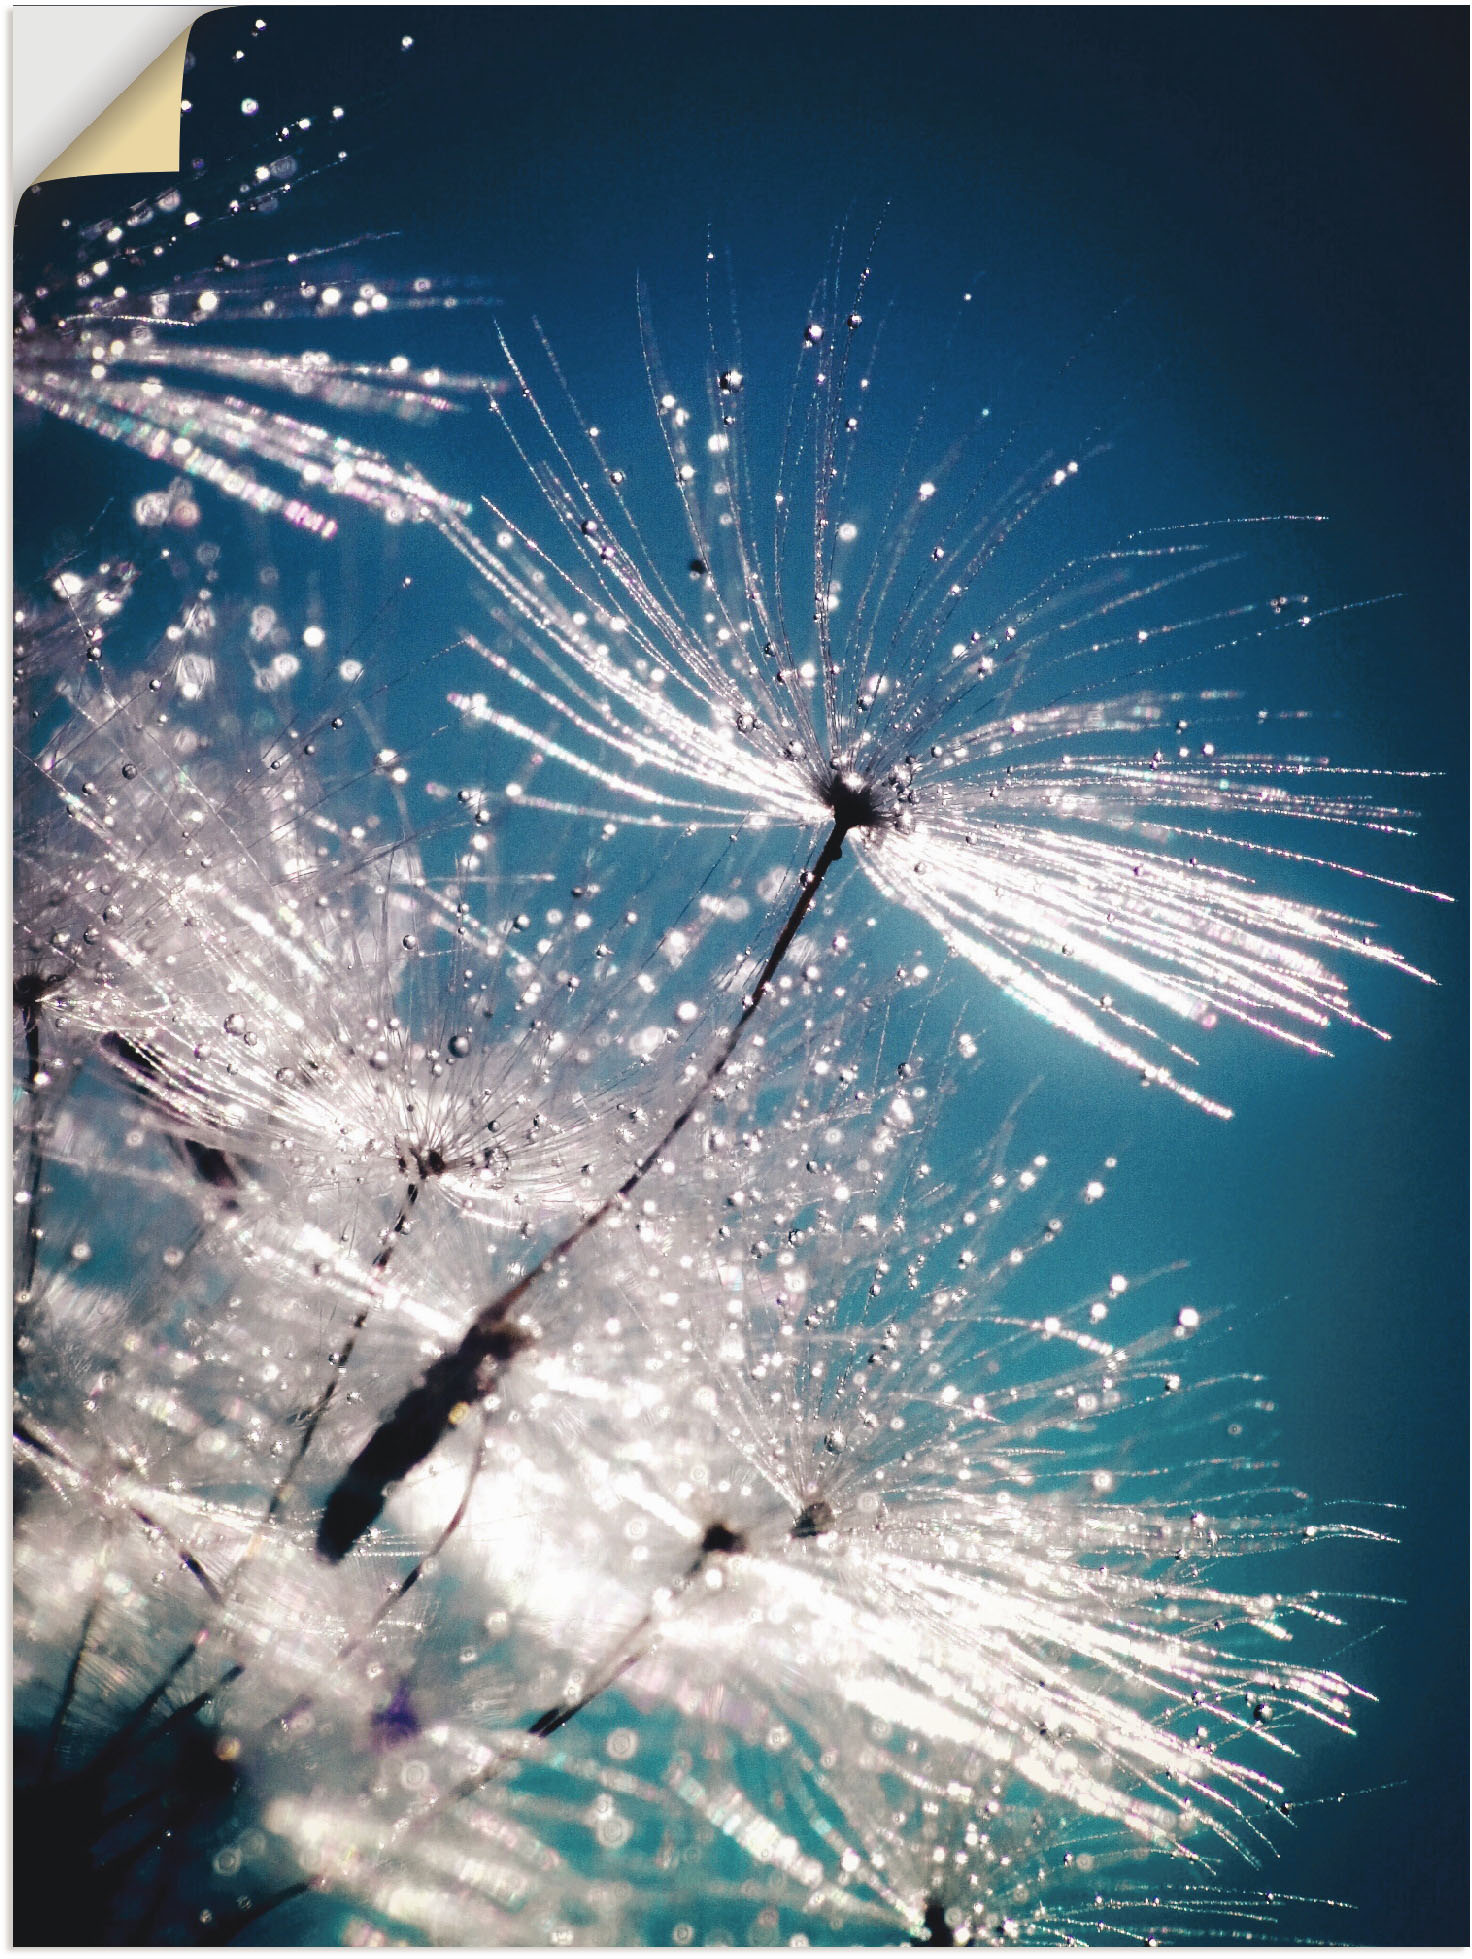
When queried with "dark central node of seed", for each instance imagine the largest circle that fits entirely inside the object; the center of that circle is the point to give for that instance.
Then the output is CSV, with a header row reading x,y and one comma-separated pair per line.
x,y
30,989
719,1538
854,802
815,1519
212,1165
397,1722
937,1930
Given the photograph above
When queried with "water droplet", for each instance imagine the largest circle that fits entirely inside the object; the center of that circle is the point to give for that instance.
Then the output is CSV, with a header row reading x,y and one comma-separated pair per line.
x,y
459,1045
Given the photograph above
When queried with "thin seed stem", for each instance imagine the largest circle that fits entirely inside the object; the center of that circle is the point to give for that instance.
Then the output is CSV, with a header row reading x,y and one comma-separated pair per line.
x,y
68,1690
30,1012
719,1540
558,1716
312,1421
114,1747
417,1425
230,1929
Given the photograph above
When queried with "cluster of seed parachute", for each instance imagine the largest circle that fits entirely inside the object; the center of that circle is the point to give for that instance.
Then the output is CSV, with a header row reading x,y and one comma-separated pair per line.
x,y
534,1422
768,1489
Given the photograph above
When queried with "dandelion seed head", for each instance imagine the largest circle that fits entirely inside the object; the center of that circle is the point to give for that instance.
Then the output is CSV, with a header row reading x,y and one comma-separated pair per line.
x,y
1006,752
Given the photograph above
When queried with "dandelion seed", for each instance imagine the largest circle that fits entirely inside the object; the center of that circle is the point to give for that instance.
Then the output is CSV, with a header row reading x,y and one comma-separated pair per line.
x,y
958,1573
331,1072
276,1689
131,366
1013,890
1000,823
331,1079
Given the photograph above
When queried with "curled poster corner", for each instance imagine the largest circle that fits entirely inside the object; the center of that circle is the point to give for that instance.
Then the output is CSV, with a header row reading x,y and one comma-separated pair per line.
x,y
139,128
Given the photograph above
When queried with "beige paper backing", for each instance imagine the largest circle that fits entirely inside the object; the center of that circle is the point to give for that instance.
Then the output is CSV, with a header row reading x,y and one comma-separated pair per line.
x,y
139,131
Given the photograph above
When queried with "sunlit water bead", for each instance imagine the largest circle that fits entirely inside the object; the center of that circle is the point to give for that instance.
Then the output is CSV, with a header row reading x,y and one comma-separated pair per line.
x,y
183,928
180,1375
1081,1751
400,1785
572,1337
211,621
480,1874
517,1063
971,723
